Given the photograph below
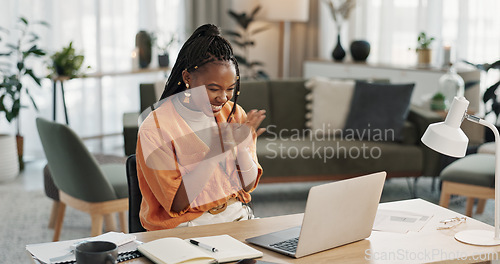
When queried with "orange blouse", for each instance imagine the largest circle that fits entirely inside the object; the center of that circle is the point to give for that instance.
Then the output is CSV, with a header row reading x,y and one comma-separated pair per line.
x,y
167,148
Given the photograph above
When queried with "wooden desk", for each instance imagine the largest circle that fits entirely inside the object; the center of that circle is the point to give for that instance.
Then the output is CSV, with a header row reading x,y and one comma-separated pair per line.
x,y
428,245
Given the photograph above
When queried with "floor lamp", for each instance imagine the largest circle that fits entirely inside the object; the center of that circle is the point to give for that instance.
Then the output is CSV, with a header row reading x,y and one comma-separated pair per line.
x,y
447,138
284,12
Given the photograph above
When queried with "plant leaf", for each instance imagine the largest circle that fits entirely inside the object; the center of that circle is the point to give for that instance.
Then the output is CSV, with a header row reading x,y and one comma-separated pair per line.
x,y
256,63
41,22
258,30
232,33
36,79
249,43
34,37
240,18
2,106
263,75
469,84
12,46
238,43
495,65
490,92
24,20
254,12
14,112
478,66
32,100
241,60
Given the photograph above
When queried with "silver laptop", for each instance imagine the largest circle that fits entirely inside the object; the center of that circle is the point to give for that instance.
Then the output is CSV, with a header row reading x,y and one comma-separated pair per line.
x,y
336,214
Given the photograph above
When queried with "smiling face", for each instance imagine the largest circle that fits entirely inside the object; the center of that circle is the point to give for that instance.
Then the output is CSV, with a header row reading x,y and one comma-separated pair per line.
x,y
219,79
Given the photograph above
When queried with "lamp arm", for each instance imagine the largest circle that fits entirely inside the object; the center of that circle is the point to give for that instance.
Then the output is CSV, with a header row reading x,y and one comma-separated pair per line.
x,y
493,128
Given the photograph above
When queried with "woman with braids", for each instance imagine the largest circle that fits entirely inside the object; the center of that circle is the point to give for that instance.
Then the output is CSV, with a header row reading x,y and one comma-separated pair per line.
x,y
196,160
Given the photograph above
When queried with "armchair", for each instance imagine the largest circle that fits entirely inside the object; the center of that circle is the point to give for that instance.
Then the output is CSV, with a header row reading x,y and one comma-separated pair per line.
x,y
97,190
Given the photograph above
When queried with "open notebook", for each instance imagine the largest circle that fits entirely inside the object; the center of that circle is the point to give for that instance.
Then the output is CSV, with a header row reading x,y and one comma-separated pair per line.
x,y
172,250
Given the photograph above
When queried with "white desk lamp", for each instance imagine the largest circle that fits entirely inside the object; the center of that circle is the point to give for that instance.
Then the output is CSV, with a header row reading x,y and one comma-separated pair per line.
x,y
447,138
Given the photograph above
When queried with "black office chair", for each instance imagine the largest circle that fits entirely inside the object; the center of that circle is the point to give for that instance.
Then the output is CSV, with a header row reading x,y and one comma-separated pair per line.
x,y
135,197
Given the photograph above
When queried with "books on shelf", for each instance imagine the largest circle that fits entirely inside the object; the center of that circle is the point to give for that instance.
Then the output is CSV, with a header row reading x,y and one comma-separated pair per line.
x,y
172,250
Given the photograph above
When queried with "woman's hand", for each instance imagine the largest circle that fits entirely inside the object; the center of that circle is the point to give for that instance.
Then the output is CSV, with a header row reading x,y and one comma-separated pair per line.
x,y
254,119
234,134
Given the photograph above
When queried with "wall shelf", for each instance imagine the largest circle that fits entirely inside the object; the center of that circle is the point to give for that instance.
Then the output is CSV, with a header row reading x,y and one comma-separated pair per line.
x,y
98,75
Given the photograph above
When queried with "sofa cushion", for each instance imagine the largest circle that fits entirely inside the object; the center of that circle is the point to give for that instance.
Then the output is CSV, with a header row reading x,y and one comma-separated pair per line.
x,y
474,169
288,105
328,104
284,157
255,95
378,111
409,134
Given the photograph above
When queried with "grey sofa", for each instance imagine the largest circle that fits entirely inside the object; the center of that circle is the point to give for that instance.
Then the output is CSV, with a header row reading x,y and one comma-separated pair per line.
x,y
286,158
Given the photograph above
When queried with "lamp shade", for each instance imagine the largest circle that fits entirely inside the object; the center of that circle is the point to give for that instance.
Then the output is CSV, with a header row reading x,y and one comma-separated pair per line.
x,y
447,137
446,140
285,10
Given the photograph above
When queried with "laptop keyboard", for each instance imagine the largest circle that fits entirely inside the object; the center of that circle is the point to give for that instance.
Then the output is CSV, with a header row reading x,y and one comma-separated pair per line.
x,y
289,245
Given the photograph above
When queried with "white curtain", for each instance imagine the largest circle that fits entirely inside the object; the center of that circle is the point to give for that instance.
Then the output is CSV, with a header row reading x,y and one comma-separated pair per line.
x,y
105,32
304,41
199,12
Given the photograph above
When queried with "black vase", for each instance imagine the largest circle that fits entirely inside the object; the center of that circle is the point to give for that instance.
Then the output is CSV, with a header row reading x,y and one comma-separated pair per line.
x,y
360,49
163,60
143,43
338,53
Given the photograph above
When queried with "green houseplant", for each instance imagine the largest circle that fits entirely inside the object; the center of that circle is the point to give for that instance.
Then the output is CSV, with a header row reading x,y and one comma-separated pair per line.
x,y
162,43
16,70
424,52
66,62
438,102
243,38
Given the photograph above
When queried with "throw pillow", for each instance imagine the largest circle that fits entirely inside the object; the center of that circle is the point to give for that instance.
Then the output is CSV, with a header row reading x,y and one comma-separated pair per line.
x,y
328,104
378,111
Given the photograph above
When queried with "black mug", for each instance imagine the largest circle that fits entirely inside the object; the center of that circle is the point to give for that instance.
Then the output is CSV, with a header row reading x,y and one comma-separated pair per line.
x,y
96,252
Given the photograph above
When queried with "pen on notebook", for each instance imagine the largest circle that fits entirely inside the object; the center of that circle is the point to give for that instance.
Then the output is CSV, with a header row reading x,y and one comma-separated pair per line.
x,y
205,246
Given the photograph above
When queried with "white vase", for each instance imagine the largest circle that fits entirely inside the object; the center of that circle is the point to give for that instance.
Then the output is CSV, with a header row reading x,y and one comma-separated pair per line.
x,y
451,84
9,163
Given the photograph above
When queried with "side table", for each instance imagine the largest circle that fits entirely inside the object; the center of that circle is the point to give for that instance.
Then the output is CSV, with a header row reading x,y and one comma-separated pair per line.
x,y
60,80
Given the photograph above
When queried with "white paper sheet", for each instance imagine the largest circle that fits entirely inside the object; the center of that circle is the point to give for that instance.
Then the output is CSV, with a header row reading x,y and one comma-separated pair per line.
x,y
45,251
399,221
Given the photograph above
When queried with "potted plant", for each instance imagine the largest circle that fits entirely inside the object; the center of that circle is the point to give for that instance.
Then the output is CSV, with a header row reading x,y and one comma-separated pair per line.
x,y
24,49
424,53
9,165
243,39
438,102
163,43
66,63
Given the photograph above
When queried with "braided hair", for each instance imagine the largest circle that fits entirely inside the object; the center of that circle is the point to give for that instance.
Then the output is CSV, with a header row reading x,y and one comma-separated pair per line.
x,y
205,45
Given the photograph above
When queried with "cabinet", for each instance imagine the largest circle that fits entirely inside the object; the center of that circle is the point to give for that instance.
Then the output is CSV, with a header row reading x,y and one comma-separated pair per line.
x,y
426,80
